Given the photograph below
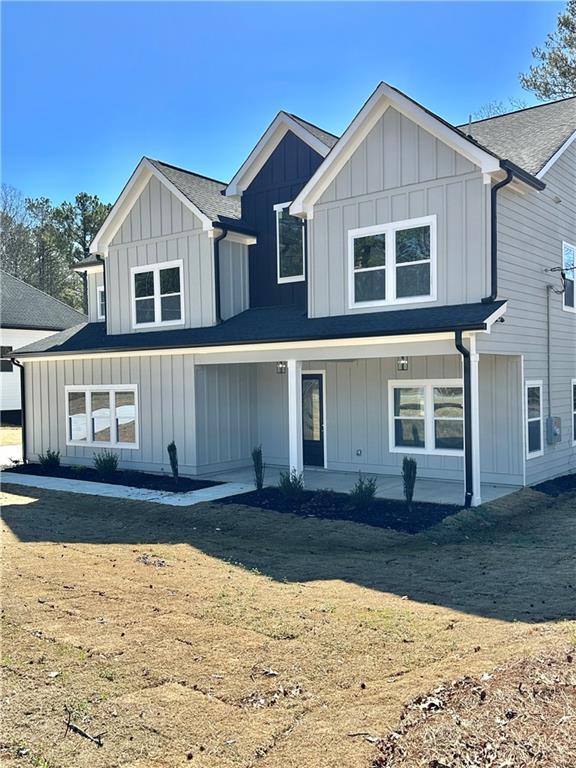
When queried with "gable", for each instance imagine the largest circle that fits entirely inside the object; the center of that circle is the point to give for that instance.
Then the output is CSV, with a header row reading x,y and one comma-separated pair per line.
x,y
292,162
396,153
155,212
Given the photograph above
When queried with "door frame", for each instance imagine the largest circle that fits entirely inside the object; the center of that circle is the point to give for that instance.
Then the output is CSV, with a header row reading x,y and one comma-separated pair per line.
x,y
307,372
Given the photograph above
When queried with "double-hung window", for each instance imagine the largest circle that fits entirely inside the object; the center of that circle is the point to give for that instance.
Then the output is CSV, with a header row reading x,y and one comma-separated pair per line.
x,y
157,295
569,269
6,366
393,263
534,431
101,305
102,416
426,416
290,245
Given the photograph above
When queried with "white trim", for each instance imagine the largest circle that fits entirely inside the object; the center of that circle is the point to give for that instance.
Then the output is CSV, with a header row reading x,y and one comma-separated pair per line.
x,y
534,384
428,386
295,444
565,306
87,390
278,208
156,269
475,422
390,266
273,135
556,155
100,289
383,97
573,409
306,372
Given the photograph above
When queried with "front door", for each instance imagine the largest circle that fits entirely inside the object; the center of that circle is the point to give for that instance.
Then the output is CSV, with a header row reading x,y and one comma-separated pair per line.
x,y
313,419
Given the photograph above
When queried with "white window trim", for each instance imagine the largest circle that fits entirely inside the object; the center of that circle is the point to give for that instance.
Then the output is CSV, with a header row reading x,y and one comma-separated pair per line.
x,y
390,266
428,386
99,291
529,385
573,411
573,278
112,388
156,268
278,208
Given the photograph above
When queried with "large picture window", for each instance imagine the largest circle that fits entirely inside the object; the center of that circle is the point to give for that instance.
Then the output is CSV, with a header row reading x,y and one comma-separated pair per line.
x,y
569,269
426,416
102,416
534,444
393,263
290,248
157,295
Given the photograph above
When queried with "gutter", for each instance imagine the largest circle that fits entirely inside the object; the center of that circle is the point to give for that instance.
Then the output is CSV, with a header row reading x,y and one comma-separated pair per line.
x,y
513,171
22,408
217,296
468,475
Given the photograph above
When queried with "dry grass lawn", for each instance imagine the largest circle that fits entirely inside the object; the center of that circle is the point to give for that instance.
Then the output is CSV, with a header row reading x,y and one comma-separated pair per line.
x,y
10,435
226,636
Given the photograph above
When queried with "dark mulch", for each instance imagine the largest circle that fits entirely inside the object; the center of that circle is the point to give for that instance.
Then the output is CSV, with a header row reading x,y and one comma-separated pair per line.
x,y
329,505
120,477
558,486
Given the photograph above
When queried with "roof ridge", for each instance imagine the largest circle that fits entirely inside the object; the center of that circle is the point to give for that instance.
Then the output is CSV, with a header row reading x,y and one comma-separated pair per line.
x,y
517,111
185,170
319,128
29,285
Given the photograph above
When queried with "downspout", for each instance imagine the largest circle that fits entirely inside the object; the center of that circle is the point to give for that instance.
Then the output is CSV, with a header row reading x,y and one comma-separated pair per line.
x,y
549,291
468,483
494,237
102,260
217,299
23,408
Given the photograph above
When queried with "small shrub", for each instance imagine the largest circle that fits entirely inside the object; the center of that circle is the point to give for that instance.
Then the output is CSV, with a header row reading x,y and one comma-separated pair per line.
x,y
259,467
291,483
409,468
49,460
363,492
106,463
173,456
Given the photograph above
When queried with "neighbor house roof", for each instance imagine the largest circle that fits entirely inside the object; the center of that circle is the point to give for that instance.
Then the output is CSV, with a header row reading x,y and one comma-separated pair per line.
x,y
274,325
23,306
528,137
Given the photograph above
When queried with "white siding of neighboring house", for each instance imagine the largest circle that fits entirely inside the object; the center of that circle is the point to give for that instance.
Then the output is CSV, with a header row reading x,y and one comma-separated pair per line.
x,y
10,380
234,279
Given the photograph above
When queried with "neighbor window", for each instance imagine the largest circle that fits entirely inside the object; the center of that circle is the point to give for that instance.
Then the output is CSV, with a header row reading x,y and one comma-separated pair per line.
x,y
393,263
101,295
290,247
569,269
427,416
6,366
534,445
102,416
573,401
158,294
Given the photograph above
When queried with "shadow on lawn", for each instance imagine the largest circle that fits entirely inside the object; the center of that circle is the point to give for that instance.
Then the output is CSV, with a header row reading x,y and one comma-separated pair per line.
x,y
492,562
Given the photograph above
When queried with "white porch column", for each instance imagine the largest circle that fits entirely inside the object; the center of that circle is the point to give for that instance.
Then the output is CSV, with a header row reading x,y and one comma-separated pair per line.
x,y
295,452
475,407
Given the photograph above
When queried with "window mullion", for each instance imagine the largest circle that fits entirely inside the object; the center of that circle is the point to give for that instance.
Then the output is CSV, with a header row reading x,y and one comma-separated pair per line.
x,y
157,302
391,237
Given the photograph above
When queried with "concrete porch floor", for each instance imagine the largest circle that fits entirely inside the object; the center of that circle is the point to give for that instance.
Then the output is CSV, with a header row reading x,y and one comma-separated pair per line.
x,y
389,486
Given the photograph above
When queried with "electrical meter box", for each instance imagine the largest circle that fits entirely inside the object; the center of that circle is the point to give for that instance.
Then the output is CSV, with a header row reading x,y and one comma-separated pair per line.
x,y
553,430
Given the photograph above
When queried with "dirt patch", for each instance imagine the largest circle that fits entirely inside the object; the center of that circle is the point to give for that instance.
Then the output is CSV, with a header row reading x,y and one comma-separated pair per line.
x,y
120,477
522,714
329,505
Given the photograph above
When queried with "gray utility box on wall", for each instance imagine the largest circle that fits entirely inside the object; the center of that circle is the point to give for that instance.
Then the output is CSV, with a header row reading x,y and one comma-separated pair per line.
x,y
553,429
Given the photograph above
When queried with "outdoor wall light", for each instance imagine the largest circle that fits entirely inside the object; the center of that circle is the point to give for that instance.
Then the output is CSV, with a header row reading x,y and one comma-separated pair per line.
x,y
281,366
401,363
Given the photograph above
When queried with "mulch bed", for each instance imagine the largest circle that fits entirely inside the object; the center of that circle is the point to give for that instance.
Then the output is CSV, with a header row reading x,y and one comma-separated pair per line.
x,y
522,714
329,505
120,477
558,486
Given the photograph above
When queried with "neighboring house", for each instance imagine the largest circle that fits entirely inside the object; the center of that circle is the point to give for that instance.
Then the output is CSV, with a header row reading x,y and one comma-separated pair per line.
x,y
405,289
26,315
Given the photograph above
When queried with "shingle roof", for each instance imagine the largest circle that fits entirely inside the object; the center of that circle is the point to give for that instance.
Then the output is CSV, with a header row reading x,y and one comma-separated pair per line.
x,y
205,193
329,139
272,324
23,306
528,137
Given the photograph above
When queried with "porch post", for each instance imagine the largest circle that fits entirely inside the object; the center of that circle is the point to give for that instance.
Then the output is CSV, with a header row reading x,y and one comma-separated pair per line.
x,y
475,422
295,415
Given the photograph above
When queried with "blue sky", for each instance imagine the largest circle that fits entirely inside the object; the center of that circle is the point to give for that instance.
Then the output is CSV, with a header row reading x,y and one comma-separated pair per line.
x,y
88,88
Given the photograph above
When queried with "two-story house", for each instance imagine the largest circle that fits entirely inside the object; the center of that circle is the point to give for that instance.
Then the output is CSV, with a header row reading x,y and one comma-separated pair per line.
x,y
405,289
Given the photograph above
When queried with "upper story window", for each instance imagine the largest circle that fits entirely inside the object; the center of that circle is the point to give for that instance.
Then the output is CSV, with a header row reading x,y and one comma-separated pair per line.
x,y
157,295
393,263
101,305
569,268
290,245
6,366
102,416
